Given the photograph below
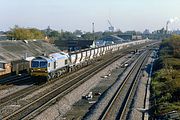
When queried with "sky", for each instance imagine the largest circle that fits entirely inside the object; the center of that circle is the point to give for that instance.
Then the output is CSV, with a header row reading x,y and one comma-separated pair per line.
x,y
70,15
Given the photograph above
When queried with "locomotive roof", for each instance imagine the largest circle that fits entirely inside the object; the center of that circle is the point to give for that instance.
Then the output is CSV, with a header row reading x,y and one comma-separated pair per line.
x,y
43,58
52,57
58,56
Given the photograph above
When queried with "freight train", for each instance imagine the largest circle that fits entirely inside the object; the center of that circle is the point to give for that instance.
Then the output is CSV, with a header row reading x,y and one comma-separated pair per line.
x,y
56,64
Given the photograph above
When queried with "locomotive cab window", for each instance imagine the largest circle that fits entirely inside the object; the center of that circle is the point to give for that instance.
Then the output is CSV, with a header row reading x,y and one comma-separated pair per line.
x,y
43,64
35,64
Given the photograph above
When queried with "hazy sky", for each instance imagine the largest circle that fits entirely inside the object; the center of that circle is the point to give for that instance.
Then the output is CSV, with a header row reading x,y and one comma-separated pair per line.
x,y
79,14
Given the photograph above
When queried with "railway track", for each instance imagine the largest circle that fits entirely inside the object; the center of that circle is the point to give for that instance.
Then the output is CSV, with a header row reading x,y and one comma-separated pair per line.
x,y
14,79
118,106
52,96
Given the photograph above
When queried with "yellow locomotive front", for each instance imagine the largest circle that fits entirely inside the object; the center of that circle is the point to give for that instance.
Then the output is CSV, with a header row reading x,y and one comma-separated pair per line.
x,y
39,67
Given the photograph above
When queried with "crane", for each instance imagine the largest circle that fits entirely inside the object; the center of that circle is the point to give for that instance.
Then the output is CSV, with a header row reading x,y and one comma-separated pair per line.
x,y
111,28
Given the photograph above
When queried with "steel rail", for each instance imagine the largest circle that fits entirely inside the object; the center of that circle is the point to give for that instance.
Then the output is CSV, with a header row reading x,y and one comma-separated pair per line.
x,y
105,113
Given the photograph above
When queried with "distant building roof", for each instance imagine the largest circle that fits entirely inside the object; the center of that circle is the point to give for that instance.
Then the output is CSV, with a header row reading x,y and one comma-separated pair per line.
x,y
108,40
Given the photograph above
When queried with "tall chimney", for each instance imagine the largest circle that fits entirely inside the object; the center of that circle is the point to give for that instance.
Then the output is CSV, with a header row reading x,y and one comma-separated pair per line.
x,y
93,28
167,26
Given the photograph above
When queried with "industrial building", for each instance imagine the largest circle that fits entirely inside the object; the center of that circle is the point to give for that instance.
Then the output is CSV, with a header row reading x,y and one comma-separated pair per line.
x,y
72,45
130,37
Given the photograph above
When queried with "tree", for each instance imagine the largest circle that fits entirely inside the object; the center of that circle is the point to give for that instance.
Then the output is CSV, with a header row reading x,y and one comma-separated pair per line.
x,y
18,33
172,45
36,34
77,32
87,36
67,36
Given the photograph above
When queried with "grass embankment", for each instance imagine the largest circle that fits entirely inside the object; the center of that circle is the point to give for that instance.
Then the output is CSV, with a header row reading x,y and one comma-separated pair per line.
x,y
166,78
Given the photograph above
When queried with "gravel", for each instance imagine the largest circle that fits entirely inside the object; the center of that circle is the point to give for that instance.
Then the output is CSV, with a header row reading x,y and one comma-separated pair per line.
x,y
11,89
